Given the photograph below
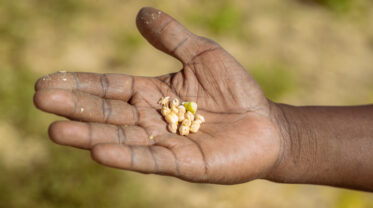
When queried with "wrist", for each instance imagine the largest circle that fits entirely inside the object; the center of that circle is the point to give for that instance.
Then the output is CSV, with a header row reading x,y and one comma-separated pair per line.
x,y
324,145
298,144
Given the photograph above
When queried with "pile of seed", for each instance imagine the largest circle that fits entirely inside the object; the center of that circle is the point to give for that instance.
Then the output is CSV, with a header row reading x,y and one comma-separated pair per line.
x,y
176,113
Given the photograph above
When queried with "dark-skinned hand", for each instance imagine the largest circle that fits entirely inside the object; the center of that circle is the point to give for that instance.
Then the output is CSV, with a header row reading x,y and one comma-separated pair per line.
x,y
117,117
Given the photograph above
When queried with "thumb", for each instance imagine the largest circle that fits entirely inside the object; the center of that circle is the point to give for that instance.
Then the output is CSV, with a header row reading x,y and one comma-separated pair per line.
x,y
169,36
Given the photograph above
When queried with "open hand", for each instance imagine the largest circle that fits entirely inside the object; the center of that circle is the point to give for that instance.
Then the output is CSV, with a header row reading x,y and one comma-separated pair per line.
x,y
117,117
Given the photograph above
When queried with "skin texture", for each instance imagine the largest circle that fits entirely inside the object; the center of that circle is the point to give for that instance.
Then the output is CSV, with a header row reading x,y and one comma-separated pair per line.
x,y
327,145
246,136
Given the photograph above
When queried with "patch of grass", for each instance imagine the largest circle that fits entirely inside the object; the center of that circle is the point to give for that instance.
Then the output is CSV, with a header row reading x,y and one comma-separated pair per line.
x,y
62,10
339,6
15,25
69,179
275,80
16,92
223,17
125,47
226,18
351,199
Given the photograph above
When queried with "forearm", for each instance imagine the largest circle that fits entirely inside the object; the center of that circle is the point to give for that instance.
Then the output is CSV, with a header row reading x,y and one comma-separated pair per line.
x,y
326,145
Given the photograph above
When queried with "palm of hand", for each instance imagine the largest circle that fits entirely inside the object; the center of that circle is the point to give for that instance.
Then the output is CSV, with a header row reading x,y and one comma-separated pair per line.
x,y
238,142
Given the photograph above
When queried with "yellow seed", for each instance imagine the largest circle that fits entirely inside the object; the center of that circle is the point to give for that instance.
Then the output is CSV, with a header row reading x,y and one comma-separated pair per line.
x,y
191,106
195,126
175,102
172,118
165,110
197,121
181,108
181,112
174,109
181,116
186,122
151,137
172,127
164,101
184,130
188,115
200,117
185,113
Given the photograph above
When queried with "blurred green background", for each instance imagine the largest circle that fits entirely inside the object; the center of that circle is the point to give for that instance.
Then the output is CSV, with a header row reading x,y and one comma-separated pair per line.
x,y
302,52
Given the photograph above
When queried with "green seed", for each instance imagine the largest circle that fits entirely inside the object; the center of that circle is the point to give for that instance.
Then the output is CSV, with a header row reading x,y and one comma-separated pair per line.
x,y
191,106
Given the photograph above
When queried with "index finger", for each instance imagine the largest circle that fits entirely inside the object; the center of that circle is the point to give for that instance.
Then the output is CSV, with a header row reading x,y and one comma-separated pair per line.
x,y
110,86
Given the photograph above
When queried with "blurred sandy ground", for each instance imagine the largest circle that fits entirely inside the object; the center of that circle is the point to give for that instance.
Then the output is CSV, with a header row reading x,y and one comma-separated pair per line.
x,y
301,52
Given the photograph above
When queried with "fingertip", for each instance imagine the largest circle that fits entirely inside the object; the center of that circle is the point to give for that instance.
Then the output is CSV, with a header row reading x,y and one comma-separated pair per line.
x,y
52,131
57,80
45,81
69,133
96,152
59,130
113,155
147,15
150,22
41,99
100,154
53,100
143,11
37,100
38,83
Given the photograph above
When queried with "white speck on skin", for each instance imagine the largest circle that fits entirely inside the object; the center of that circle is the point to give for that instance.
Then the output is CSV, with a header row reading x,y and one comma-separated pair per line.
x,y
151,137
64,79
81,110
46,78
